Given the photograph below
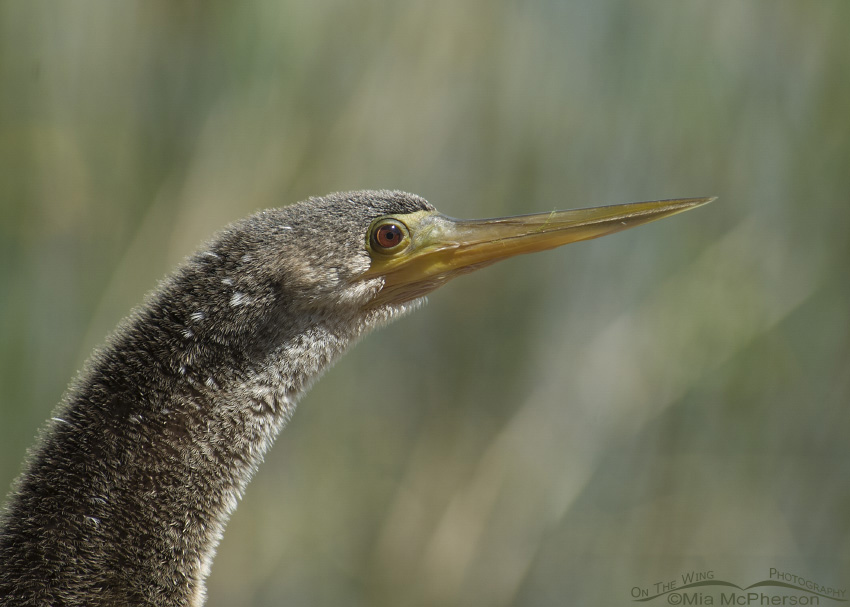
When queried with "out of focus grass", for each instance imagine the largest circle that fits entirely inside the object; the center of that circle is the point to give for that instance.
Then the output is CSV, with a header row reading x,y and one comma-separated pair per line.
x,y
566,426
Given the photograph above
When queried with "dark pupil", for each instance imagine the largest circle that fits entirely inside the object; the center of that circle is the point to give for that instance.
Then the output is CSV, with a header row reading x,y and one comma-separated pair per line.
x,y
389,235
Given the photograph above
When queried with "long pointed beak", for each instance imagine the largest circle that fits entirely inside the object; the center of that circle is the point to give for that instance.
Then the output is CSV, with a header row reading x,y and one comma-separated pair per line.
x,y
441,248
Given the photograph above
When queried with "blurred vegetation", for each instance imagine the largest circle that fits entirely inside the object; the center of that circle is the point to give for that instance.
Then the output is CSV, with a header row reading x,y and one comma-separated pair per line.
x,y
564,426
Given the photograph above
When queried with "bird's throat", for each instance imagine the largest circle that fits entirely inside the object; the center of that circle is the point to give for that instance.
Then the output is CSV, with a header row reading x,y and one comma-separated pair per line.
x,y
148,456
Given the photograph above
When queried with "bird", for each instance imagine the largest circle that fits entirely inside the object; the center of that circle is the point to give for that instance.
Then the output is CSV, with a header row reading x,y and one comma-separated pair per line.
x,y
127,492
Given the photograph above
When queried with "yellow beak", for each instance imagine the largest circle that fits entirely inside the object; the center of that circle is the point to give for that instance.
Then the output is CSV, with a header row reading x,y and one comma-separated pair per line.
x,y
439,248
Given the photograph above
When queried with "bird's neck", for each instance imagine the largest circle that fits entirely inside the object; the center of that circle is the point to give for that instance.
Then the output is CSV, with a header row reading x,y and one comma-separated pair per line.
x,y
250,406
127,496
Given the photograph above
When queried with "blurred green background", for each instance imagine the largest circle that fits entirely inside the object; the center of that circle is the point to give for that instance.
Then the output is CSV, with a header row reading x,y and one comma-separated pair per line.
x,y
559,428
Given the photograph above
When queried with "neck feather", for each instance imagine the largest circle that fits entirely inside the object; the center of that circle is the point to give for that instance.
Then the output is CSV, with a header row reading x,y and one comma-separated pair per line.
x,y
126,497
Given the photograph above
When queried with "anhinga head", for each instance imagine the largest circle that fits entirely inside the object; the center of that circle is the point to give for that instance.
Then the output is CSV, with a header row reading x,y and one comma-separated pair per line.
x,y
378,251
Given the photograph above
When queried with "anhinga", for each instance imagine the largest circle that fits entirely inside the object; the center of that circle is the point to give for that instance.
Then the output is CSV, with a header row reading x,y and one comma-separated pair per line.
x,y
126,496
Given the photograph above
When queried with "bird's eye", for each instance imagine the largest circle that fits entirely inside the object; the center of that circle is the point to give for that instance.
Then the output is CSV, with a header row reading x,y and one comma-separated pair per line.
x,y
388,236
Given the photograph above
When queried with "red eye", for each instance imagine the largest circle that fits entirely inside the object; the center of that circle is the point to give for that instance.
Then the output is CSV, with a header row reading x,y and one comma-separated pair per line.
x,y
388,236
